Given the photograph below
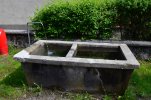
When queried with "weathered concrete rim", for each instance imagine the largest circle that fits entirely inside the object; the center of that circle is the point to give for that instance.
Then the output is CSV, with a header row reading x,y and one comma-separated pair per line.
x,y
21,32
80,43
128,54
78,62
14,26
129,63
128,42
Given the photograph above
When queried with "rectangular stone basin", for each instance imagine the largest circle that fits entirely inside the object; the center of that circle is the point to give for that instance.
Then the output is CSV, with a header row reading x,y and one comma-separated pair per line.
x,y
78,66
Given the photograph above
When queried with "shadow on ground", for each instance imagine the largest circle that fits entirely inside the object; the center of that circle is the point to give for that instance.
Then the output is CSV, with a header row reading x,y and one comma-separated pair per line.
x,y
15,79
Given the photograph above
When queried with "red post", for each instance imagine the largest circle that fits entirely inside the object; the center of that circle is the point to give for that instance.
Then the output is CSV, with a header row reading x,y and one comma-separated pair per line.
x,y
3,43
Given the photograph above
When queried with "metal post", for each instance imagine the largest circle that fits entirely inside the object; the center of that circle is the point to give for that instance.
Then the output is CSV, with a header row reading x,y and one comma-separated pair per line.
x,y
31,23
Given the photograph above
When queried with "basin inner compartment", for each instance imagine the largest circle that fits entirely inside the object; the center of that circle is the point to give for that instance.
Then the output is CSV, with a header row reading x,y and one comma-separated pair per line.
x,y
98,52
52,49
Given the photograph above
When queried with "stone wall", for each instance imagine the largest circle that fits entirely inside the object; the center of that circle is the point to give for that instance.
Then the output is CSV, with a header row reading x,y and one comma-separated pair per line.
x,y
19,38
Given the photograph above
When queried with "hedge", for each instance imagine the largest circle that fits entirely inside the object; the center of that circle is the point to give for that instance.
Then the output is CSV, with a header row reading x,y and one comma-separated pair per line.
x,y
94,19
83,19
135,17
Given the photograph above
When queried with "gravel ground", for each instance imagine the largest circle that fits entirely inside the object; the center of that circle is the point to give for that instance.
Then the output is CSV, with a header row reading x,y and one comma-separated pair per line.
x,y
44,95
58,95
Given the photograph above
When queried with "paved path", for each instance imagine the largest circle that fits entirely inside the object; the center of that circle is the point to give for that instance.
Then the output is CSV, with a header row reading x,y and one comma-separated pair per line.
x,y
17,12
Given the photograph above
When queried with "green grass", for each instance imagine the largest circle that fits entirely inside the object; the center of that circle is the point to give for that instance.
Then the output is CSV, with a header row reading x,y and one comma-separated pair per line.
x,y
13,83
11,76
140,83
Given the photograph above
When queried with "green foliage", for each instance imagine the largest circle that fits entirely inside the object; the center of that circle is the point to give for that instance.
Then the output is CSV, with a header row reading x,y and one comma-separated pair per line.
x,y
82,19
94,19
80,96
106,97
135,17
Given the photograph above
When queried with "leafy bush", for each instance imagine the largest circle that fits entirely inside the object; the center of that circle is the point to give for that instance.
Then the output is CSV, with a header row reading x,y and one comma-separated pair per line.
x,y
82,19
95,19
135,17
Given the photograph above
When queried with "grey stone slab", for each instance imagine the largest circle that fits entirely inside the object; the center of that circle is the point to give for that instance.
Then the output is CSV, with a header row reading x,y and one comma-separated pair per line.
x,y
23,32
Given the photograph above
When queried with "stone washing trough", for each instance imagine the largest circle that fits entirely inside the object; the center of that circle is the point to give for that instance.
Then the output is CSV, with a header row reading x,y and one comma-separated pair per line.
x,y
78,66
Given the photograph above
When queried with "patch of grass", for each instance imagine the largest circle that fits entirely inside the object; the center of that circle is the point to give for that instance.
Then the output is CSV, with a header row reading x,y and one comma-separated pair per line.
x,y
11,76
107,97
80,96
13,84
15,79
12,79
140,82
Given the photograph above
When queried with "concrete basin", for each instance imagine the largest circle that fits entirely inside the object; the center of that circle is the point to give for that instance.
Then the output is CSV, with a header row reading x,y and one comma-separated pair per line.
x,y
78,66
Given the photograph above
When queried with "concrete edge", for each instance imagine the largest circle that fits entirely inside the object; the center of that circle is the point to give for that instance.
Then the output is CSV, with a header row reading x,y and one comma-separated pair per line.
x,y
24,56
21,32
128,42
14,26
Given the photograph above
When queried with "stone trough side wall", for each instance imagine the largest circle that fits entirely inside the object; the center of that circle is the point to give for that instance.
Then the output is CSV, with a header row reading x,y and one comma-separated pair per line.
x,y
141,49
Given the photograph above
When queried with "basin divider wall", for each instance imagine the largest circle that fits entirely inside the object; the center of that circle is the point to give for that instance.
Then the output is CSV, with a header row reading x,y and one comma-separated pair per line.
x,y
72,51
